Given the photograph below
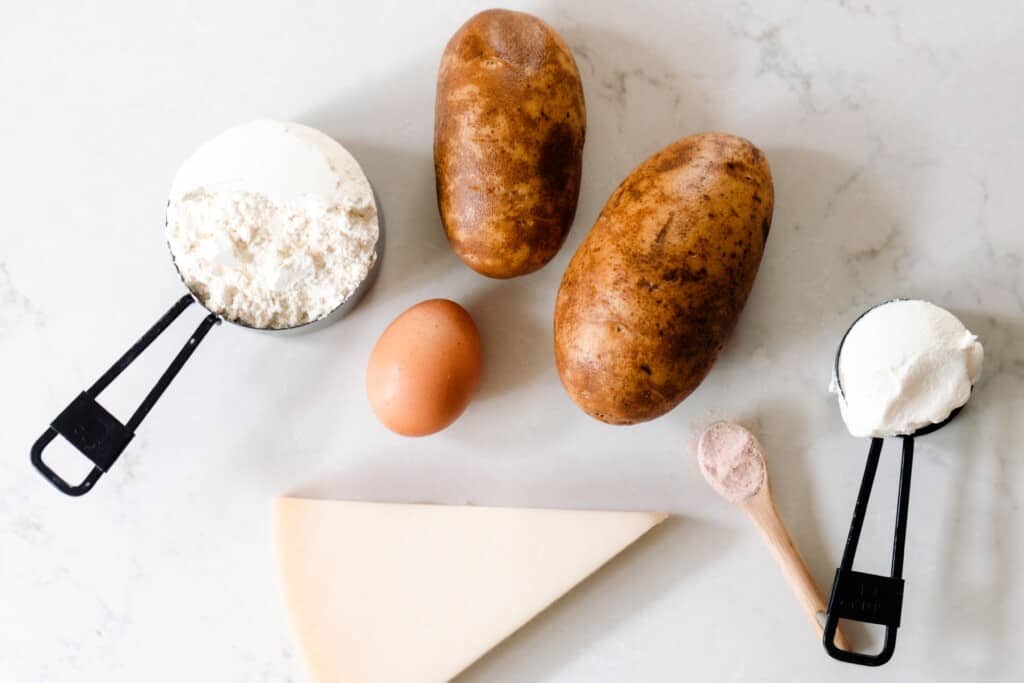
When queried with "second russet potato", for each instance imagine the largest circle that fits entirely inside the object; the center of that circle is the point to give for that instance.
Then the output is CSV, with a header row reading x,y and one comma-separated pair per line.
x,y
657,286
425,368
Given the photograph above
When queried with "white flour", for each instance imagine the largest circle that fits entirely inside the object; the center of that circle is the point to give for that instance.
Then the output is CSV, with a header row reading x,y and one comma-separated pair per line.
x,y
272,224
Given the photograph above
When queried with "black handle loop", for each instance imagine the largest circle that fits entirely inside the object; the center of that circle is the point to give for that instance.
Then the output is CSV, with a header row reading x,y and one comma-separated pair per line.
x,y
870,598
97,434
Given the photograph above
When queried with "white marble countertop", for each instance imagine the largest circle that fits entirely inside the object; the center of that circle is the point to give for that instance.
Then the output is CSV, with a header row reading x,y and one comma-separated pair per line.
x,y
894,133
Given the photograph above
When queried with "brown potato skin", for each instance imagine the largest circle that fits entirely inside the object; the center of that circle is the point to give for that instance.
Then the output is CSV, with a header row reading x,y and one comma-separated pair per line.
x,y
655,289
509,123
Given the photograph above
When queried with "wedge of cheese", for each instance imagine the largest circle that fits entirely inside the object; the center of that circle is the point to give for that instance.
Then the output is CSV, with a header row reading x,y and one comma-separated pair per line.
x,y
382,593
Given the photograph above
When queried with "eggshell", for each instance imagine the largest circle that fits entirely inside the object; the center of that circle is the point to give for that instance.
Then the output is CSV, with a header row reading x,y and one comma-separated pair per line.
x,y
425,368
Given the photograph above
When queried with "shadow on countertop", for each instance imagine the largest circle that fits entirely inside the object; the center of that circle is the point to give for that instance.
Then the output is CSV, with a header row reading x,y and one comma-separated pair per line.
x,y
366,122
625,586
517,345
971,617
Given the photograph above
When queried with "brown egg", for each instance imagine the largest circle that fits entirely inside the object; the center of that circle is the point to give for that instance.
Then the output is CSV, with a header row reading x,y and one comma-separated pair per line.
x,y
424,369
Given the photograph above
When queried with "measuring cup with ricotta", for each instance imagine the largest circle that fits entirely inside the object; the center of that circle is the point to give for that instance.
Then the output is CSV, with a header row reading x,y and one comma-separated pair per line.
x,y
903,369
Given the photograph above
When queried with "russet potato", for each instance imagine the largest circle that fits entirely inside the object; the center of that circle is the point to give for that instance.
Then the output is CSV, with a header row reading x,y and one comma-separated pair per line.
x,y
509,123
650,297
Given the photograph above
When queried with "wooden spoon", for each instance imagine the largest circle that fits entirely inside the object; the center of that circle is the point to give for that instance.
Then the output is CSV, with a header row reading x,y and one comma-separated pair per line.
x,y
733,462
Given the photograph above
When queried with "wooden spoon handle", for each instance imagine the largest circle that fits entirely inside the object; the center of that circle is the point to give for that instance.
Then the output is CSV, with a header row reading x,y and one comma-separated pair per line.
x,y
761,510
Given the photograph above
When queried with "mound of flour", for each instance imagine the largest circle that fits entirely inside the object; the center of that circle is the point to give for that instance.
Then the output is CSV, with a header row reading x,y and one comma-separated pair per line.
x,y
272,224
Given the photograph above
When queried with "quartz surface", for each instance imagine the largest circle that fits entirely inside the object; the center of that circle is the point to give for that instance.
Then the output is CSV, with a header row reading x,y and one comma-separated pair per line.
x,y
894,134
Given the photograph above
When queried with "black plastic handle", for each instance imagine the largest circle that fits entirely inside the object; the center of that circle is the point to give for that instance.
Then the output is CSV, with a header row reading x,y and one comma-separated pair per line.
x,y
871,598
97,434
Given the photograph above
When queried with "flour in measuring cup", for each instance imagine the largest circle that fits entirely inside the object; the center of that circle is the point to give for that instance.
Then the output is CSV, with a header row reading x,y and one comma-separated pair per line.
x,y
272,224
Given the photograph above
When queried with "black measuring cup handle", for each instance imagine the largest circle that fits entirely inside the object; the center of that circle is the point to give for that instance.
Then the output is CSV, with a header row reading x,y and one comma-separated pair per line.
x,y
97,434
870,598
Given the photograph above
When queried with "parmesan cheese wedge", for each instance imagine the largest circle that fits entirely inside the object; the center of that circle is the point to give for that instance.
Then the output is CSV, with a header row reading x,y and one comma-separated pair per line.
x,y
388,593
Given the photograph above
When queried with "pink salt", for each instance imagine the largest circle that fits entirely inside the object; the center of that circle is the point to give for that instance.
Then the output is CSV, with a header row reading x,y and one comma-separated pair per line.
x,y
731,460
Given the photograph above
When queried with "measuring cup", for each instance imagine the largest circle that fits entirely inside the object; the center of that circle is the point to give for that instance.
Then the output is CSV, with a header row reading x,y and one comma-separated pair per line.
x,y
101,437
859,596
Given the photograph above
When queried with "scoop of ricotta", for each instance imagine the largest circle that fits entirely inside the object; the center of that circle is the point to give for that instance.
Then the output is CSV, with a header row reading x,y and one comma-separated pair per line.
x,y
904,365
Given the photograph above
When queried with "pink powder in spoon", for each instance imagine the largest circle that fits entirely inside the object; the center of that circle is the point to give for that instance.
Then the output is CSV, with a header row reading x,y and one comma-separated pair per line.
x,y
731,460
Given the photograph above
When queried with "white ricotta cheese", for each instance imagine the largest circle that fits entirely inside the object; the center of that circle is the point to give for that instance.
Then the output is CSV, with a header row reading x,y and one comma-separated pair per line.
x,y
904,365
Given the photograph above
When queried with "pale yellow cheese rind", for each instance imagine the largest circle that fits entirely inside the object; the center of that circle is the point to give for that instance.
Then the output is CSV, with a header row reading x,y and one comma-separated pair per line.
x,y
389,593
